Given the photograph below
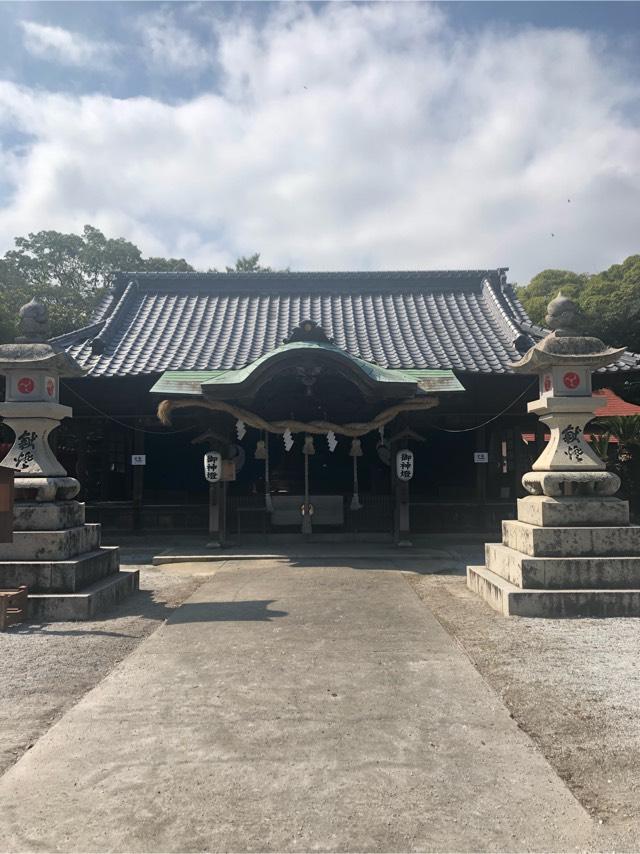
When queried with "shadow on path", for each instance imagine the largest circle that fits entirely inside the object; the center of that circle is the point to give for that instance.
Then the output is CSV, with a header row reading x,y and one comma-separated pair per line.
x,y
211,612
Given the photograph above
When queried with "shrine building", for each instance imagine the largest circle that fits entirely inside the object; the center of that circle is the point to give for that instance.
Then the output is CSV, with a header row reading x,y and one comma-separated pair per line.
x,y
368,404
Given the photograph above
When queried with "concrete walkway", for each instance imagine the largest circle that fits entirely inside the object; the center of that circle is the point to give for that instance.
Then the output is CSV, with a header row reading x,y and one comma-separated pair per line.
x,y
291,708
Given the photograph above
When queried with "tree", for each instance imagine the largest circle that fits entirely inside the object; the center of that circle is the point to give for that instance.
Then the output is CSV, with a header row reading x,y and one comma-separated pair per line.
x,y
611,303
249,264
610,300
69,272
626,428
545,286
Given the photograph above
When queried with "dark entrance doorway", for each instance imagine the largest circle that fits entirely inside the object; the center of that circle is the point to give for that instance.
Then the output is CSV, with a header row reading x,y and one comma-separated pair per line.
x,y
331,489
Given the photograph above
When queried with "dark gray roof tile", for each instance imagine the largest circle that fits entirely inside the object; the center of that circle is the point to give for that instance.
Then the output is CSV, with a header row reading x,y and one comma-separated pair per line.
x,y
467,320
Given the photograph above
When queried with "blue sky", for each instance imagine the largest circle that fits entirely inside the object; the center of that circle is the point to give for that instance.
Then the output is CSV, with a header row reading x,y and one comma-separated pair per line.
x,y
328,136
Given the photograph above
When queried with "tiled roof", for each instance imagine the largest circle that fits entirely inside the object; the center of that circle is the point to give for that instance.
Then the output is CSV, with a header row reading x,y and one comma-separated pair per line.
x,y
469,321
614,405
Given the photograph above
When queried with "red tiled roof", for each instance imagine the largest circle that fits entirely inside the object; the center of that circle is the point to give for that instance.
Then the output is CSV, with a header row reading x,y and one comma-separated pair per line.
x,y
615,405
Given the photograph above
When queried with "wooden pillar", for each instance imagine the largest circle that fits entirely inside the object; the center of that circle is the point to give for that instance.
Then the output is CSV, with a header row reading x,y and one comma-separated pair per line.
x,y
394,492
214,514
81,472
306,515
138,477
482,477
482,469
222,532
401,503
105,461
218,514
404,513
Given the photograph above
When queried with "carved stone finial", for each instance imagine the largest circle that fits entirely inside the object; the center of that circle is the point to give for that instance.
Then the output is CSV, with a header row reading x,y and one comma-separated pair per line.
x,y
34,322
566,344
563,316
308,330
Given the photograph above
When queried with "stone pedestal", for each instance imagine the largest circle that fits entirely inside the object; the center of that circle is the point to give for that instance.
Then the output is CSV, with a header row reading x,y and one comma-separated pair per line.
x,y
572,551
69,575
579,558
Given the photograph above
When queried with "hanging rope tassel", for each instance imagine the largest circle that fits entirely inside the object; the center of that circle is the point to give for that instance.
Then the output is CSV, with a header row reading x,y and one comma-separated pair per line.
x,y
355,452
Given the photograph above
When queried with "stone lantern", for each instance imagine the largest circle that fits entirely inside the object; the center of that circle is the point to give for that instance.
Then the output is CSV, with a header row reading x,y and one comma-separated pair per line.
x,y
33,368
54,553
571,551
564,362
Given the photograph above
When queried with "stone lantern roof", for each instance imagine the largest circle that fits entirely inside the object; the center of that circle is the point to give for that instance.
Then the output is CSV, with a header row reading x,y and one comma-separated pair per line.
x,y
565,345
31,348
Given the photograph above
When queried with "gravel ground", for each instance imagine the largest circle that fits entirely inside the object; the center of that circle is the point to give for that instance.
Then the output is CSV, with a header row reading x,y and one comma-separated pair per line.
x,y
47,668
572,685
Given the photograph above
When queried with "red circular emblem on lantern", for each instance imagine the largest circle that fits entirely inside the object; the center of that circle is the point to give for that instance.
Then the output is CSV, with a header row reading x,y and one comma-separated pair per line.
x,y
547,382
26,385
571,379
51,387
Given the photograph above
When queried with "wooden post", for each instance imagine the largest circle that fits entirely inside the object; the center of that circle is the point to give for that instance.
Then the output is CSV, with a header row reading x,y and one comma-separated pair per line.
x,y
105,460
222,526
404,513
402,503
482,469
214,514
394,492
217,514
6,504
482,476
306,516
138,478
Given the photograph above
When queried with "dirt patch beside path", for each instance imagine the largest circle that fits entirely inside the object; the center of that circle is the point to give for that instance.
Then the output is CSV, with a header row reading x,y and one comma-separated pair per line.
x,y
47,668
572,685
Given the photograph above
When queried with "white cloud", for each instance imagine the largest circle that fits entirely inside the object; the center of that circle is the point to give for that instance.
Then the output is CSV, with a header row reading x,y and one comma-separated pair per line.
x,y
168,47
68,48
350,136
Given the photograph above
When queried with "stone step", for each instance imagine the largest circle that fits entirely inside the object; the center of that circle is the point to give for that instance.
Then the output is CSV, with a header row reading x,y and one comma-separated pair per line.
x,y
562,572
574,512
51,545
86,604
61,576
47,516
565,542
512,601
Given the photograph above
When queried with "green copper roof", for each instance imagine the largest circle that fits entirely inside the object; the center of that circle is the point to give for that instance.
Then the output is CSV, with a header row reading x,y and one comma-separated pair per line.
x,y
191,383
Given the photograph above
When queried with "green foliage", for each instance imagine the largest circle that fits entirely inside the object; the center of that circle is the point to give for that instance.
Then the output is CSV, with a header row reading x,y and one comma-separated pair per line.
x,y
626,428
610,300
69,272
545,286
249,264
600,444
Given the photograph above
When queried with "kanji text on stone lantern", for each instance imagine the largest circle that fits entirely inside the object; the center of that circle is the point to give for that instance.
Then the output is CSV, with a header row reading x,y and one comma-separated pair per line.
x,y
33,368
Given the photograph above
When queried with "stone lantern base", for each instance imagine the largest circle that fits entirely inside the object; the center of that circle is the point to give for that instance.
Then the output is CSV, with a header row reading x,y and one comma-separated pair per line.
x,y
565,556
54,553
58,556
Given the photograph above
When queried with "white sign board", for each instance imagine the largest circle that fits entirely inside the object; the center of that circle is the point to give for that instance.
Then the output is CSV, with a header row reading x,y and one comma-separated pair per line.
x,y
481,457
404,464
138,459
213,466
